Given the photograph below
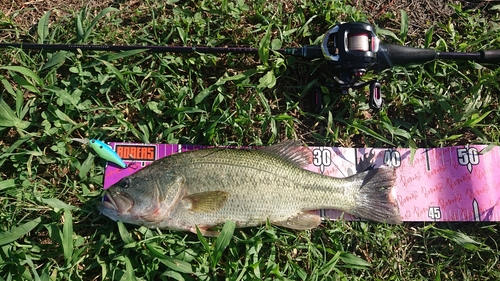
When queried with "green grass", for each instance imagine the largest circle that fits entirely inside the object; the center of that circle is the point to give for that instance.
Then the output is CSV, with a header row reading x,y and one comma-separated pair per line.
x,y
50,228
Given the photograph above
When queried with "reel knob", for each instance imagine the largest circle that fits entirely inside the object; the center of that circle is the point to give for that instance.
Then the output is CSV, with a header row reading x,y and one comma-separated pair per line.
x,y
375,101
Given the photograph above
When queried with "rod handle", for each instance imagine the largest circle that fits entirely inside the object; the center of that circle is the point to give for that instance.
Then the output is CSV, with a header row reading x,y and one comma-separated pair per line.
x,y
390,54
306,52
490,56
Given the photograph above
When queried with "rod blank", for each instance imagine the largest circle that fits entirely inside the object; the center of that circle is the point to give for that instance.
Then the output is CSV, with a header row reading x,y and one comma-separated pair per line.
x,y
156,49
395,54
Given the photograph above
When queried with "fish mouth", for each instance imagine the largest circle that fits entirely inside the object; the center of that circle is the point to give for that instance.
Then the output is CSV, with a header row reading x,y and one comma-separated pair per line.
x,y
116,202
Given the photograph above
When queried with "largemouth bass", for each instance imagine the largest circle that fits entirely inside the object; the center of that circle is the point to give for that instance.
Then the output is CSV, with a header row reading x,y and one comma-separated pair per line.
x,y
205,188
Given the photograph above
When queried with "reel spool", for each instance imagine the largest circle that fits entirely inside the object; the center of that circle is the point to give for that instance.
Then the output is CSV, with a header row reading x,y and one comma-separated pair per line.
x,y
354,46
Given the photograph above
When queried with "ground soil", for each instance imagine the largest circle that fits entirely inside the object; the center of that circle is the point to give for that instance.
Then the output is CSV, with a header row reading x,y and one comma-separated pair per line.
x,y
31,11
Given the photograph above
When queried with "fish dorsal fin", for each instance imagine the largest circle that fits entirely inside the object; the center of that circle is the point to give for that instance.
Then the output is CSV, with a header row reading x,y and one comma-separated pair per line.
x,y
207,202
291,151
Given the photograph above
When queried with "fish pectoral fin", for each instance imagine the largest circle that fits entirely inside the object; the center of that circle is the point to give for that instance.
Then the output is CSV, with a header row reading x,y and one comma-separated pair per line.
x,y
207,202
301,221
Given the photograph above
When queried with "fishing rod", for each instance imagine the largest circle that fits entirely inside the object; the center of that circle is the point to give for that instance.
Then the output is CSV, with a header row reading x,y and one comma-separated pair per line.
x,y
351,49
308,52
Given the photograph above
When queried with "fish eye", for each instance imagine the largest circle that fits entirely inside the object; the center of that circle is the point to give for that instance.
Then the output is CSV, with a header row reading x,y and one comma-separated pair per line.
x,y
124,183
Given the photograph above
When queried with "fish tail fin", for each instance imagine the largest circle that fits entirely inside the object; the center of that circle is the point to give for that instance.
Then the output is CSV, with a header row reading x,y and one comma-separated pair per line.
x,y
375,199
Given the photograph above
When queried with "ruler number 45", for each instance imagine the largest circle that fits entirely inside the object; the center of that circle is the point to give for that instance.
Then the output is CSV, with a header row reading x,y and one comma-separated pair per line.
x,y
434,213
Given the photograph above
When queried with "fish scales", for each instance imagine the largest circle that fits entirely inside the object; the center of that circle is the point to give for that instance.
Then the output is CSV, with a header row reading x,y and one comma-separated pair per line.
x,y
258,191
247,187
257,182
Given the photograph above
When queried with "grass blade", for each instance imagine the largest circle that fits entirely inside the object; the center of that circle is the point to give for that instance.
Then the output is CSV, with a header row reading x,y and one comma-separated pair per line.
x,y
26,72
7,184
64,117
116,56
371,132
57,59
67,236
43,27
8,87
353,261
9,119
202,240
462,239
129,269
264,46
79,26
86,166
475,119
124,234
113,69
223,241
413,149
56,204
32,266
428,37
386,32
18,232
5,154
404,26
89,29
175,264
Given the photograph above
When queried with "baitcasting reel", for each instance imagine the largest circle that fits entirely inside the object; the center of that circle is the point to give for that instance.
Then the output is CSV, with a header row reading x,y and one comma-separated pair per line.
x,y
351,49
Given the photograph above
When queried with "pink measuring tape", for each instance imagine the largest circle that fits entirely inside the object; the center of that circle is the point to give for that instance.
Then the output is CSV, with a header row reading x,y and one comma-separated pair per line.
x,y
458,183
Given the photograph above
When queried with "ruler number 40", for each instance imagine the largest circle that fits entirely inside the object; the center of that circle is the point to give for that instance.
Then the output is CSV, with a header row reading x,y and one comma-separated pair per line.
x,y
392,158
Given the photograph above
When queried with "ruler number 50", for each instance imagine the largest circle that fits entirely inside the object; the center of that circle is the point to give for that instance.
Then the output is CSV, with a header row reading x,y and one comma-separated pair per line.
x,y
468,156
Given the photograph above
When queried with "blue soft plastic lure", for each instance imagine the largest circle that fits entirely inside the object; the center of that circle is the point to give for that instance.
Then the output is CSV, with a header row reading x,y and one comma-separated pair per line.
x,y
105,152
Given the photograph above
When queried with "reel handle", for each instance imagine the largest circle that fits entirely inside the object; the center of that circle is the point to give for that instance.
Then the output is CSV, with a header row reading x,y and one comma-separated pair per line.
x,y
375,101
